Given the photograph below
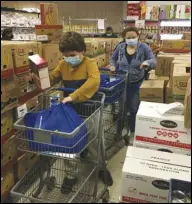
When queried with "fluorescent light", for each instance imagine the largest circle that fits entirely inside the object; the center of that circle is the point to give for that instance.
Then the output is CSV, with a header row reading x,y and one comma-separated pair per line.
x,y
171,36
175,23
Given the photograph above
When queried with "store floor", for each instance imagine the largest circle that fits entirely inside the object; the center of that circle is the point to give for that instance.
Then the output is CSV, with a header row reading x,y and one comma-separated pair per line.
x,y
115,166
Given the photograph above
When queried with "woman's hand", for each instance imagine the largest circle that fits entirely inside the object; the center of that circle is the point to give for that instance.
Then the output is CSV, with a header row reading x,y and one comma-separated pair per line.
x,y
67,100
112,68
144,64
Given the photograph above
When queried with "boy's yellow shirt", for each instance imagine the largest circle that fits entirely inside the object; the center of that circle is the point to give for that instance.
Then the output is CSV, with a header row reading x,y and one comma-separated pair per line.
x,y
85,78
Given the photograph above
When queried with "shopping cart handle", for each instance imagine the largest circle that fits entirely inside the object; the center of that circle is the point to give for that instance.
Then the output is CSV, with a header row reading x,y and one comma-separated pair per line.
x,y
104,69
66,89
117,71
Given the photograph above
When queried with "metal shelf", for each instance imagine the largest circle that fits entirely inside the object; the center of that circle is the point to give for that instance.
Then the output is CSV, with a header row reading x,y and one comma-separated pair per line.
x,y
16,27
18,11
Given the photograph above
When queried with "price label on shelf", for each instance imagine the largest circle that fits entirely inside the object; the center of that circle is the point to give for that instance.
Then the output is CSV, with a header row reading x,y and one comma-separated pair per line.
x,y
21,110
42,37
140,23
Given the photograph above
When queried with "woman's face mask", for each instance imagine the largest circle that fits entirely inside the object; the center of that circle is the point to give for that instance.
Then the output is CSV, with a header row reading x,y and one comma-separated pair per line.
x,y
73,61
132,42
149,41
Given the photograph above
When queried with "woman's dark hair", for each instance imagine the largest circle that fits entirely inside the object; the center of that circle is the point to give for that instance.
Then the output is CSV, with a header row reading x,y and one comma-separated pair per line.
x,y
123,34
7,34
72,41
131,29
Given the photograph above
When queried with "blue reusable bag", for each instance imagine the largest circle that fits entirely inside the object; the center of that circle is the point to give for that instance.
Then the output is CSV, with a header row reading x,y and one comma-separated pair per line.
x,y
62,118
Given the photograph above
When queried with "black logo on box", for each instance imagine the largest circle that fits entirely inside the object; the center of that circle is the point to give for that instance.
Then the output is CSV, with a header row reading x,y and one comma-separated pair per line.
x,y
163,185
168,124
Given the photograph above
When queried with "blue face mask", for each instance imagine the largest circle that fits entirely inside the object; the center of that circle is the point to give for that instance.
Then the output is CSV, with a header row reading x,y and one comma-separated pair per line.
x,y
73,61
131,42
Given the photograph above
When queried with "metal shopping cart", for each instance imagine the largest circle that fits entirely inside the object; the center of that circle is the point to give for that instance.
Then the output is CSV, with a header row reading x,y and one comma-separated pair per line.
x,y
44,182
114,86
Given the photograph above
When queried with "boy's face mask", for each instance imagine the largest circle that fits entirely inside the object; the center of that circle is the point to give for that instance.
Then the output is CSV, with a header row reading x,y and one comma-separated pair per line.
x,y
73,61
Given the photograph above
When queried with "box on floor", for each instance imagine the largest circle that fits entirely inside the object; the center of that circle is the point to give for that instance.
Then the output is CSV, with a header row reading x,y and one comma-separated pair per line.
x,y
178,46
6,122
164,65
152,91
181,74
6,60
168,94
166,130
187,105
147,178
51,53
8,150
7,182
9,94
153,76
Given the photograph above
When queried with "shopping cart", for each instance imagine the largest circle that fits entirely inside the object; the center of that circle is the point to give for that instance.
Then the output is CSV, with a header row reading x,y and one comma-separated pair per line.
x,y
114,86
44,182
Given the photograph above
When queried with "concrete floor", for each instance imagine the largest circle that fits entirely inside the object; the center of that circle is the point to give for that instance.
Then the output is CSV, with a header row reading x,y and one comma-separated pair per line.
x,y
115,166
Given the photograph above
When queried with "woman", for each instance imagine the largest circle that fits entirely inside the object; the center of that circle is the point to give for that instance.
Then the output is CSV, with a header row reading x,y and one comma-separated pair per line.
x,y
132,56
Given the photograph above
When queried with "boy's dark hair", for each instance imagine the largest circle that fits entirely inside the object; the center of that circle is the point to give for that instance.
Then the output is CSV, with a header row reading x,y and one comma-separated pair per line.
x,y
131,29
7,34
72,41
109,28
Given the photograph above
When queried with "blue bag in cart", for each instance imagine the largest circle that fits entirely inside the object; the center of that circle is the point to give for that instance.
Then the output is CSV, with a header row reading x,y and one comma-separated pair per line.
x,y
59,118
111,86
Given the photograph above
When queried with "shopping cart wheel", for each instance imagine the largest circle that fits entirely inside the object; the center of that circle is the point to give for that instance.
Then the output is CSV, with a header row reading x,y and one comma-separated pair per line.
x,y
106,197
50,182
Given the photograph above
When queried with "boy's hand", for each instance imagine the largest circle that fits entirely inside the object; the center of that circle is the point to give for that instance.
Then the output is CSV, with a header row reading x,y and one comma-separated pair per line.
x,y
112,68
67,99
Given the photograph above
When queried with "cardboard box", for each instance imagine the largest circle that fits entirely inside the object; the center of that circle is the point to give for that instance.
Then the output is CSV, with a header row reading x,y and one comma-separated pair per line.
x,y
178,62
35,47
49,14
8,150
169,94
6,122
147,179
162,149
92,47
52,32
6,60
7,182
25,162
152,90
114,43
176,46
108,45
187,35
23,81
32,103
153,76
166,129
39,67
9,94
187,105
163,65
52,55
180,79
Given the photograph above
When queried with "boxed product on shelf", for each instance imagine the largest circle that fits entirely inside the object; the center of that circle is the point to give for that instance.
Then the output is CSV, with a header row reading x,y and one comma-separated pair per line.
x,y
24,82
147,179
51,32
32,103
178,46
164,65
25,163
52,55
6,122
6,60
153,76
180,78
7,182
187,35
8,150
162,124
9,94
168,94
49,14
161,148
152,91
187,104
39,67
